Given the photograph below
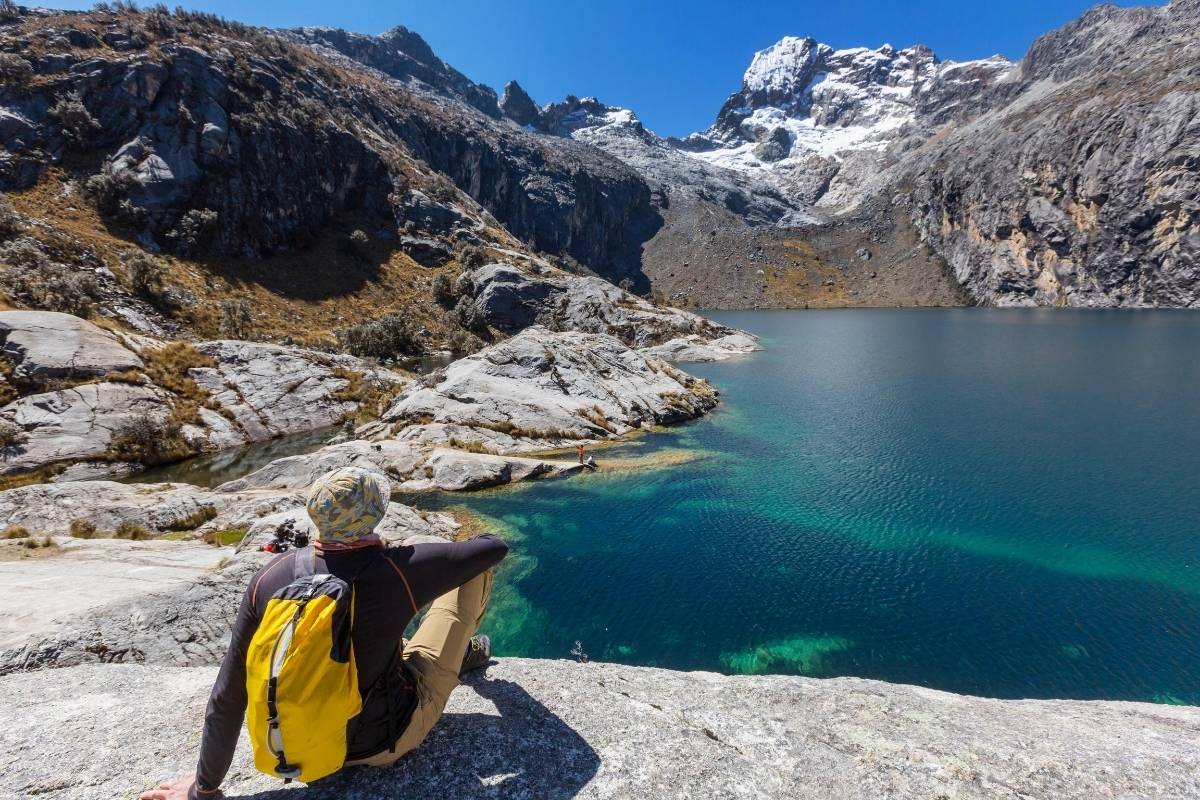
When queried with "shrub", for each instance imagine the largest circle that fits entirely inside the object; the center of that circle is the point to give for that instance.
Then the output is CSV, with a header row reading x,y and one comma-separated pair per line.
x,y
14,532
148,440
10,220
10,434
461,342
107,191
14,70
465,285
158,21
470,257
237,322
9,11
83,528
145,273
358,244
194,520
196,231
443,291
387,337
468,316
77,123
33,278
131,530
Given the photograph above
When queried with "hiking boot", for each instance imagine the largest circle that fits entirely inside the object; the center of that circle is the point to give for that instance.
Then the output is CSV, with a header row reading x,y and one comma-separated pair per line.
x,y
479,653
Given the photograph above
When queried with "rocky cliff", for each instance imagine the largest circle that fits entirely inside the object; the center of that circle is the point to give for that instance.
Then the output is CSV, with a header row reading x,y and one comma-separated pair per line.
x,y
1081,185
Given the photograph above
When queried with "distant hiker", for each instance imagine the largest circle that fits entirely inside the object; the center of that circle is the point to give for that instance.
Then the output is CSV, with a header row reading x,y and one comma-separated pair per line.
x,y
350,691
580,449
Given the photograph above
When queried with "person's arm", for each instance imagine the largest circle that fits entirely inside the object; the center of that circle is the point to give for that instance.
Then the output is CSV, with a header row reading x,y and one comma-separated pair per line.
x,y
434,569
227,703
223,719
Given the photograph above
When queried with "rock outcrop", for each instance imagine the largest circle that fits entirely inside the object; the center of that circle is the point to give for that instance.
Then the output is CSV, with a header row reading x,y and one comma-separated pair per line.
x,y
156,508
548,389
250,391
77,424
511,300
529,728
43,346
414,465
695,348
1080,187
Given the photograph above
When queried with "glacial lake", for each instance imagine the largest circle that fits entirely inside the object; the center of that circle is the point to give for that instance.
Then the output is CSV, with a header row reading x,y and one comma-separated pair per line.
x,y
997,502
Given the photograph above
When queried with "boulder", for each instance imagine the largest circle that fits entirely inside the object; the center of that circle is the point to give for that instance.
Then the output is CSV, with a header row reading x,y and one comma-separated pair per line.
x,y
426,251
541,728
75,424
428,214
512,299
46,345
695,348
550,389
298,472
453,470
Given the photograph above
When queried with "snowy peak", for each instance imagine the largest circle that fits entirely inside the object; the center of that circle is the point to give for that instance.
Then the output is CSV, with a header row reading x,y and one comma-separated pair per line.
x,y
800,97
785,69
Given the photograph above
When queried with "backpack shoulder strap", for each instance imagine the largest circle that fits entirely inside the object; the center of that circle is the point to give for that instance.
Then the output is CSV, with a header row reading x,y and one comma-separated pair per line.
x,y
407,588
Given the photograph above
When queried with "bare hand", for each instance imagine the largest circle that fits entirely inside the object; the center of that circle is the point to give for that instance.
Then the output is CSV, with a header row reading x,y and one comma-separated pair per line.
x,y
175,790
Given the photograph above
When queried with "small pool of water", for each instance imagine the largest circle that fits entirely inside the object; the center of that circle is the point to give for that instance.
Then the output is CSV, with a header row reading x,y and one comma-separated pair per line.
x,y
217,468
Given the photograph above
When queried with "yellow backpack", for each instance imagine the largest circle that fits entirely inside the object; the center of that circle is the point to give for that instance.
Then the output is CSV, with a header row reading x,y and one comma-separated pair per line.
x,y
301,680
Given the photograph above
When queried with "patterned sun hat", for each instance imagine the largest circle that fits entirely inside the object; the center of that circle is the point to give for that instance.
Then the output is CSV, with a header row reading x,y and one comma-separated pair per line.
x,y
347,504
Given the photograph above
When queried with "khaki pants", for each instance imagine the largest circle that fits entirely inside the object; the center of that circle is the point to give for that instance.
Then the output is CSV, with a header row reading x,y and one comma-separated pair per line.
x,y
434,656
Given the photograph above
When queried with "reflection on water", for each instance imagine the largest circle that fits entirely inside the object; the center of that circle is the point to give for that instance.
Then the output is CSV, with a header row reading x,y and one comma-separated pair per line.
x,y
217,468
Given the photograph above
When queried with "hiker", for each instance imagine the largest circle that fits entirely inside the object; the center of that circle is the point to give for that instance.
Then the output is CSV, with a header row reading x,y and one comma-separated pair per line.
x,y
580,448
403,684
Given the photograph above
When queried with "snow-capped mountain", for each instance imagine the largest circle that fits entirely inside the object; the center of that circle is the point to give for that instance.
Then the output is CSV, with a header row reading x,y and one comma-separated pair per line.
x,y
801,98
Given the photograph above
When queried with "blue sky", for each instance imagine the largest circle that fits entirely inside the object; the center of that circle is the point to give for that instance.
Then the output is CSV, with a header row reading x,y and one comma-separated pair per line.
x,y
674,63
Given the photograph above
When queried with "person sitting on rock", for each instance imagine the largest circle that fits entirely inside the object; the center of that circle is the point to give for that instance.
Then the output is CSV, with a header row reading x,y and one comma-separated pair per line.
x,y
404,684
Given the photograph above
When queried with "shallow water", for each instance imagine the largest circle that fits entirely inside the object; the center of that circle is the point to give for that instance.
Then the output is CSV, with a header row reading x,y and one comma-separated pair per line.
x,y
1002,503
217,468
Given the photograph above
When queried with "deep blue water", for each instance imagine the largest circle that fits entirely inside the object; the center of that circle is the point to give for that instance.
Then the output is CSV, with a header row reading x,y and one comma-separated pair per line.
x,y
1004,503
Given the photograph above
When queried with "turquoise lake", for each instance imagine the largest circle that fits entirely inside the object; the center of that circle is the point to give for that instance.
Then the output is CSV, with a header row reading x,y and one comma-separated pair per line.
x,y
997,502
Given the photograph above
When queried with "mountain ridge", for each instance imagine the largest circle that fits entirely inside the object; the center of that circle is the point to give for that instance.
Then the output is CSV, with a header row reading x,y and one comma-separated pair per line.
x,y
820,153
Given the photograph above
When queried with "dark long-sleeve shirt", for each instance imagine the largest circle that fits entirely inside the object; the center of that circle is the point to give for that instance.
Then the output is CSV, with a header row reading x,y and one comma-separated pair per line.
x,y
392,584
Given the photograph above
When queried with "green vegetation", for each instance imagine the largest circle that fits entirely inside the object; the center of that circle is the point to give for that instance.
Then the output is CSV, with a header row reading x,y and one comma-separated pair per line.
x,y
390,336
225,538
